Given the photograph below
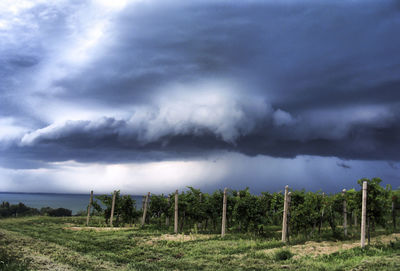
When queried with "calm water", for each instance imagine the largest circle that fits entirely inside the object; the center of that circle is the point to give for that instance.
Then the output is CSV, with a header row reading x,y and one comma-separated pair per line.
x,y
74,202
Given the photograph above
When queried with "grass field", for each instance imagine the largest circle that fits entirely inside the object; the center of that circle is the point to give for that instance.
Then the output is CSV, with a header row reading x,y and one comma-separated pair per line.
x,y
44,243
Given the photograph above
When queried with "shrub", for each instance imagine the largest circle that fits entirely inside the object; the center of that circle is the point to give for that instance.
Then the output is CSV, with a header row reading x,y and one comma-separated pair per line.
x,y
60,212
14,210
283,254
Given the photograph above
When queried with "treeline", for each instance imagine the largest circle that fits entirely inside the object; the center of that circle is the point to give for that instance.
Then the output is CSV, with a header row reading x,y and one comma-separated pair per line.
x,y
307,214
20,209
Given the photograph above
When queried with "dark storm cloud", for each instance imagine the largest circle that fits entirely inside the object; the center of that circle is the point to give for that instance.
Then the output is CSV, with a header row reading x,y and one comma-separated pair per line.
x,y
343,165
296,54
298,78
29,38
393,165
117,141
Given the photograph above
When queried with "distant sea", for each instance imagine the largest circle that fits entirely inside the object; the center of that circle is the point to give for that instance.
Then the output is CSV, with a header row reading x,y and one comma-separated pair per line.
x,y
74,202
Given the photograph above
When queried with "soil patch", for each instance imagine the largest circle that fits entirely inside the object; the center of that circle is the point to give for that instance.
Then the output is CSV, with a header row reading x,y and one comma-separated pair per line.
x,y
314,249
96,228
180,237
321,248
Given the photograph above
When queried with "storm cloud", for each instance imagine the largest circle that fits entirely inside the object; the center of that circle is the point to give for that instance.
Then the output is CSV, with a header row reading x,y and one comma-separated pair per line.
x,y
146,81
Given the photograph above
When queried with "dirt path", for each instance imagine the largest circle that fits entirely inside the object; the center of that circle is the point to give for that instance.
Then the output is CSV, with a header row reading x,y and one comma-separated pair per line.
x,y
98,229
180,237
50,256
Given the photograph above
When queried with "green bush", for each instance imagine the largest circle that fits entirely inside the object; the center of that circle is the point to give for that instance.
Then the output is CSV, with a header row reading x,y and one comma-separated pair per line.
x,y
283,255
14,210
60,212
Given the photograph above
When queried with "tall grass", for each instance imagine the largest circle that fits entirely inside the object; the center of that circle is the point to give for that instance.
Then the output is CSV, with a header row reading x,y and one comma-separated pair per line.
x,y
148,249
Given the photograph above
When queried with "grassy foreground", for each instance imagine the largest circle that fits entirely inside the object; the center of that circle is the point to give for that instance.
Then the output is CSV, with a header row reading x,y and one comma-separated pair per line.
x,y
44,243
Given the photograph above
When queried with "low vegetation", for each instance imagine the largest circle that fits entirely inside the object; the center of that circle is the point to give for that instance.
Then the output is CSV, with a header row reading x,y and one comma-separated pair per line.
x,y
257,214
39,240
50,243
20,209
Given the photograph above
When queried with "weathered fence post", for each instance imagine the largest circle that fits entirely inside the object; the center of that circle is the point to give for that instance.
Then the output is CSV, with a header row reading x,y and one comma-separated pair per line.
x,y
344,212
146,202
176,212
88,208
223,227
167,215
285,209
112,209
363,213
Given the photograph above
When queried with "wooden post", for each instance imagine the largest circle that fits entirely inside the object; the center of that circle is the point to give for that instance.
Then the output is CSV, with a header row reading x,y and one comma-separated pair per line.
x,y
344,212
167,215
112,209
285,209
176,212
146,202
88,208
223,226
363,213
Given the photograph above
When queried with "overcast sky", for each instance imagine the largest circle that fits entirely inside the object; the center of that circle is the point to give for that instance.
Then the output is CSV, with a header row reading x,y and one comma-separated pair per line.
x,y
157,95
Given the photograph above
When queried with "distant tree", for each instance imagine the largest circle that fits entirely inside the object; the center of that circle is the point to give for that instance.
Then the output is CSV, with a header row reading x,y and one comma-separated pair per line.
x,y
5,204
55,212
45,210
14,210
60,212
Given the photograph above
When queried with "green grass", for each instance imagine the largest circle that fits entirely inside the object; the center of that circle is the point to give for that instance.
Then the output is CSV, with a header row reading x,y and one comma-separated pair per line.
x,y
46,240
11,260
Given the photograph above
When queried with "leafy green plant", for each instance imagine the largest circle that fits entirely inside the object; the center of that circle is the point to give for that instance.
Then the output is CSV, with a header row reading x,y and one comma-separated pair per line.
x,y
124,209
283,254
